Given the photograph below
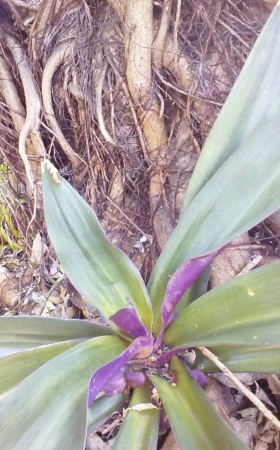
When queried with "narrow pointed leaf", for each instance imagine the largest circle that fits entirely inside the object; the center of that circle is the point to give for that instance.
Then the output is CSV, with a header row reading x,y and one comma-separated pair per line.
x,y
243,192
242,359
253,101
244,311
139,430
194,421
241,187
48,410
15,368
17,333
127,320
102,409
182,279
103,274
141,347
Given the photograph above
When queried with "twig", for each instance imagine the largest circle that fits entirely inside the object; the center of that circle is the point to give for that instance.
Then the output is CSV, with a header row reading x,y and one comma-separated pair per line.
x,y
228,28
98,98
182,91
261,407
250,266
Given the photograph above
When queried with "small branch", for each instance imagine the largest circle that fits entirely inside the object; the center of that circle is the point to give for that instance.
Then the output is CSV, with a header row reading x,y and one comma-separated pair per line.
x,y
261,407
98,98
250,266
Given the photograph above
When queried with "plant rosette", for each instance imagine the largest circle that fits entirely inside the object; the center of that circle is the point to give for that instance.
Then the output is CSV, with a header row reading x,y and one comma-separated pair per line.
x,y
62,379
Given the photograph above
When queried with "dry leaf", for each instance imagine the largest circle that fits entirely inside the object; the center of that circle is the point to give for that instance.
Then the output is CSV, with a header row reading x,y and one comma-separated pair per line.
x,y
140,407
38,251
94,442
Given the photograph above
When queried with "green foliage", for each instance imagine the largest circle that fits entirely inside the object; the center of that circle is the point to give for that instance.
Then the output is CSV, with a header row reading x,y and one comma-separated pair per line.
x,y
235,185
9,235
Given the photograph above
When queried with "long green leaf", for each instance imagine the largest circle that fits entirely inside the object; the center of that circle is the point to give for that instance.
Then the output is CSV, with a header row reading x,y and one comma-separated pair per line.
x,y
103,274
253,101
48,410
195,423
17,333
234,185
244,191
15,368
244,311
139,430
102,409
242,359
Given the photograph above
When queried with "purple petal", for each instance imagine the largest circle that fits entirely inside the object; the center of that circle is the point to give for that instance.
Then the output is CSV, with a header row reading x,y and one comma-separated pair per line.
x,y
141,347
182,279
116,385
127,320
102,376
199,377
135,378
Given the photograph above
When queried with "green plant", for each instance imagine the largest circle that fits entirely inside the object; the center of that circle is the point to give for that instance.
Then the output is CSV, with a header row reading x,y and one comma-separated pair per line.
x,y
55,369
9,235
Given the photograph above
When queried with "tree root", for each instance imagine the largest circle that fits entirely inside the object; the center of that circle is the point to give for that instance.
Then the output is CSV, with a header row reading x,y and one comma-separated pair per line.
x,y
139,78
159,44
33,108
57,58
98,98
10,94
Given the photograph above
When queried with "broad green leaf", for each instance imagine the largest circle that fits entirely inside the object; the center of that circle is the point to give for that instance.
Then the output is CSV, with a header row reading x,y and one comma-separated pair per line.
x,y
242,187
17,333
139,430
15,368
48,410
244,191
194,421
244,311
248,105
102,409
242,359
103,274
253,101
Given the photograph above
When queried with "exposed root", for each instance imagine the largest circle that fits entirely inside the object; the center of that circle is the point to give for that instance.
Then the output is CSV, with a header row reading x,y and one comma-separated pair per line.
x,y
57,58
33,106
10,94
153,90
139,78
159,44
98,93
